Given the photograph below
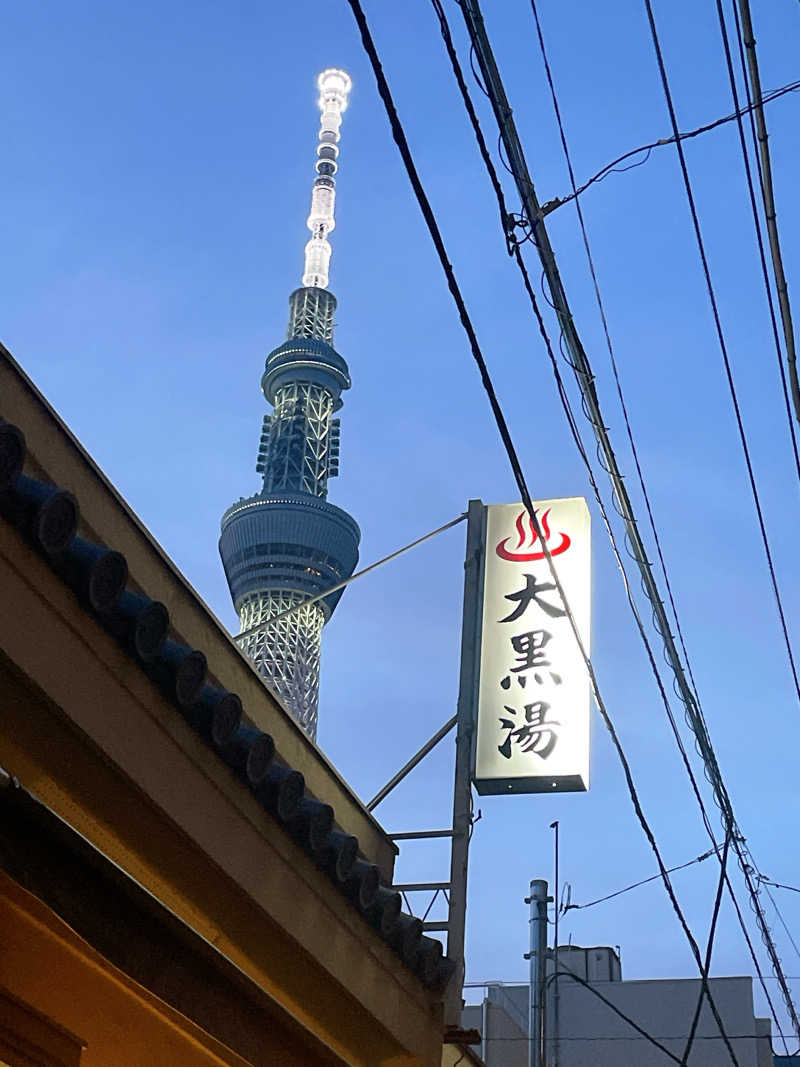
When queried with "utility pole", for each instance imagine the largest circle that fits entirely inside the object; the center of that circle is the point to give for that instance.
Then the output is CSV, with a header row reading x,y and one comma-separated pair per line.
x,y
537,956
462,785
556,1004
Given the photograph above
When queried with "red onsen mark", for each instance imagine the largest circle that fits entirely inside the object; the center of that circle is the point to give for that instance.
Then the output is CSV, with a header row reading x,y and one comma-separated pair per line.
x,y
524,551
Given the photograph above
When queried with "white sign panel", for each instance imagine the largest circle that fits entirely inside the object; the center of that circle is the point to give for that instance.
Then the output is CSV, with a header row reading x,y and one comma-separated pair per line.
x,y
533,704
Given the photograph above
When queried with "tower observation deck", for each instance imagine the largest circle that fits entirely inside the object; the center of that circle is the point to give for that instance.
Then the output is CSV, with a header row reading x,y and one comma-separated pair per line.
x,y
286,543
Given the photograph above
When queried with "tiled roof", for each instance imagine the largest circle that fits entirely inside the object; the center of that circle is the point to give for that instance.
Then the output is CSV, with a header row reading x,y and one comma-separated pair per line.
x,y
48,518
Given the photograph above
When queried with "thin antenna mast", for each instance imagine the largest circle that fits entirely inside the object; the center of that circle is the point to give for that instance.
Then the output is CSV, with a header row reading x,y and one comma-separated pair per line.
x,y
334,86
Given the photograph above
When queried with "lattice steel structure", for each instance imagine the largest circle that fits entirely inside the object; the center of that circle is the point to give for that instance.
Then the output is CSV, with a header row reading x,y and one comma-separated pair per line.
x,y
287,543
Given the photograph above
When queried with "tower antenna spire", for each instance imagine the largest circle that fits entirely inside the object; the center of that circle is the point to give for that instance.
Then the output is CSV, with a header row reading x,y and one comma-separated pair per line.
x,y
334,87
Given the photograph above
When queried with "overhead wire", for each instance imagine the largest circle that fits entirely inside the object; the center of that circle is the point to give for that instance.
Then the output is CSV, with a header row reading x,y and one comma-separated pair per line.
x,y
614,166
612,357
762,1037
723,868
777,263
744,30
778,885
580,364
694,713
723,347
782,921
645,495
635,885
617,1011
757,225
780,978
586,379
565,401
766,937
433,228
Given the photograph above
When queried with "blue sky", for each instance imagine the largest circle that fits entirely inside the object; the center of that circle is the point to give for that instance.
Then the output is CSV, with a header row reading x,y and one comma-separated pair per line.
x,y
155,187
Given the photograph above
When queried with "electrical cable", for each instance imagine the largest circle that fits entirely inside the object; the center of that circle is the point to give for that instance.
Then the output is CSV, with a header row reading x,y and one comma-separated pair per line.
x,y
782,921
696,720
744,30
612,357
614,168
616,1010
767,197
776,964
340,585
635,885
788,331
579,361
524,981
660,1037
709,947
699,726
424,204
780,978
778,885
723,345
645,495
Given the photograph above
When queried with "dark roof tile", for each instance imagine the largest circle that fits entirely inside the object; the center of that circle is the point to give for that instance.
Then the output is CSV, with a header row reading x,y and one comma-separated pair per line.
x,y
48,517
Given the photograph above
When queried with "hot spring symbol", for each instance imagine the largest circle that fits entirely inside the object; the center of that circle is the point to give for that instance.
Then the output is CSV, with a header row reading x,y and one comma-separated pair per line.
x,y
525,550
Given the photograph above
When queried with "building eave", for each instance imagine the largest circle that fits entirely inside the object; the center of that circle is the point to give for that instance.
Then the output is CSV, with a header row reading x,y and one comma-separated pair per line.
x,y
56,455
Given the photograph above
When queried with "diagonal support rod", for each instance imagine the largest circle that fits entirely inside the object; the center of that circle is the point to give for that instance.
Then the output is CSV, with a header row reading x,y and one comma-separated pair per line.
x,y
415,759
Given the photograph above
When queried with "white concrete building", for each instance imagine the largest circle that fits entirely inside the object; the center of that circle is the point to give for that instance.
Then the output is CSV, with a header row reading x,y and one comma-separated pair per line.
x,y
583,1031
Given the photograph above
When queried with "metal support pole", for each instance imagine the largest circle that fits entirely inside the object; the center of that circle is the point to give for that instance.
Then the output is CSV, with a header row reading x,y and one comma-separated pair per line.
x,y
462,784
556,991
538,963
418,835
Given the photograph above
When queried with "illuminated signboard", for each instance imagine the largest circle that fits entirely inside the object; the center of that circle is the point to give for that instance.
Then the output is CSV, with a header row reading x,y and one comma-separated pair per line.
x,y
532,731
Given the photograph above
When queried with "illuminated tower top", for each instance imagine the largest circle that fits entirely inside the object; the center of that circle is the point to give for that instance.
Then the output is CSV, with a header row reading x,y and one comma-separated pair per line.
x,y
334,86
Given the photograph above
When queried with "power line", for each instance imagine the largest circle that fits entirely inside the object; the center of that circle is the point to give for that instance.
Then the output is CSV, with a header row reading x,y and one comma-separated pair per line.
x,y
648,1037
604,981
659,623
515,250
722,343
643,881
788,332
576,435
505,122
614,166
767,195
780,977
578,360
424,204
701,247
709,946
724,880
777,885
647,502
696,721
744,30
626,1018
614,367
783,921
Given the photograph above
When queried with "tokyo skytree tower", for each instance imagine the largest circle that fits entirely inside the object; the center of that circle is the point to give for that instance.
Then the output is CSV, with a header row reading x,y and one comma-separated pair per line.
x,y
287,543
